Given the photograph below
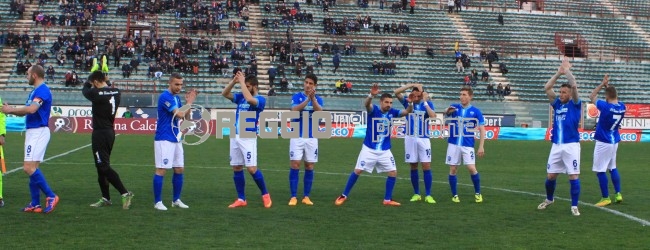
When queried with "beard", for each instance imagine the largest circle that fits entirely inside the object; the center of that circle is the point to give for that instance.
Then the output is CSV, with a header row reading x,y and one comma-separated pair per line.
x,y
31,81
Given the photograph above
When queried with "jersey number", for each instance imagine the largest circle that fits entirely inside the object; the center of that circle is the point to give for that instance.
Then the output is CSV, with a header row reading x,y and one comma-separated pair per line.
x,y
617,121
112,102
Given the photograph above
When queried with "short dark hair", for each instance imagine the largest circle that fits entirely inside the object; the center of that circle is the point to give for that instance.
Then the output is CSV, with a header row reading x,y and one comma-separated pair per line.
x,y
565,85
252,80
469,90
385,95
610,92
96,76
415,89
312,77
38,70
175,76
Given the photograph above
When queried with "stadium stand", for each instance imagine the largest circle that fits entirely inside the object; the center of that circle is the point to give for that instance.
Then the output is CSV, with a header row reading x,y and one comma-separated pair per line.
x,y
616,35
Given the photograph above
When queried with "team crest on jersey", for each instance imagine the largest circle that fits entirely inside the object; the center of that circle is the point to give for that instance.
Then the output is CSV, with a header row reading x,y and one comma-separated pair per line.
x,y
168,104
291,153
448,158
392,160
362,163
548,166
408,156
165,161
471,113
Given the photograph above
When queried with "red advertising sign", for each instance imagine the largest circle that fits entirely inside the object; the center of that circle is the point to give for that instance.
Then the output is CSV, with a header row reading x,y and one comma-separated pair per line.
x,y
84,125
637,110
627,135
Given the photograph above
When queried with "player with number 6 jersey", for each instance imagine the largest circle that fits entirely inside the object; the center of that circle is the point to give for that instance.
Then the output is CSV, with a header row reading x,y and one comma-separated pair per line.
x,y
105,101
564,157
607,137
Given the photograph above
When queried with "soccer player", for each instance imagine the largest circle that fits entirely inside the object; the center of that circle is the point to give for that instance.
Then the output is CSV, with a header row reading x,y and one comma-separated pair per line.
x,y
375,152
463,121
417,145
243,151
168,148
564,157
3,132
37,113
304,148
105,101
607,137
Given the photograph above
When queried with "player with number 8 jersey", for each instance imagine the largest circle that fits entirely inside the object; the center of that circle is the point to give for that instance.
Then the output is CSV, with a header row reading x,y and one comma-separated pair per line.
x,y
105,101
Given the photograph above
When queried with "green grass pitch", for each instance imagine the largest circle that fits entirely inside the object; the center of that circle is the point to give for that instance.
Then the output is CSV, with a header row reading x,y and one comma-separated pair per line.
x,y
512,176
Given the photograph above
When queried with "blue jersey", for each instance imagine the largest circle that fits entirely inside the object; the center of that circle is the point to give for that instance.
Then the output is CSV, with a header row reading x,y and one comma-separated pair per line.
x,y
417,121
296,100
167,124
462,120
243,105
566,120
42,96
609,120
379,140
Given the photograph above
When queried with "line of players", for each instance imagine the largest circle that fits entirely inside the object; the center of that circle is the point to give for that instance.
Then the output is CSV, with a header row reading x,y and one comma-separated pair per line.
x,y
375,153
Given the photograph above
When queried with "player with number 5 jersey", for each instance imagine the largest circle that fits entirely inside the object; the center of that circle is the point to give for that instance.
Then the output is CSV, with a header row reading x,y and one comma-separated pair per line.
x,y
105,101
243,151
607,137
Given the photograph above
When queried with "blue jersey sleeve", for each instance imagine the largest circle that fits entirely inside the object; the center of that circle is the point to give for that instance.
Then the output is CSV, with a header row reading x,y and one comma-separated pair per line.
x,y
295,100
168,101
601,105
395,112
261,103
578,104
479,116
320,101
404,102
41,96
556,104
237,97
431,105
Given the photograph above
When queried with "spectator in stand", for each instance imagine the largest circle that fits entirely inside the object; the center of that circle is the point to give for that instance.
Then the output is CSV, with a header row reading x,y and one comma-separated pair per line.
x,y
450,6
272,73
68,79
271,92
126,70
490,90
284,84
459,66
412,4
466,80
336,61
507,91
339,86
500,91
485,76
348,87
50,73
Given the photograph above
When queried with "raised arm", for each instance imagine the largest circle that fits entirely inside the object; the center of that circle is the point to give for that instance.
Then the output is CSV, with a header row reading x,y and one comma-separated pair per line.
x,y
550,93
227,91
406,111
373,92
398,92
425,100
87,91
244,90
574,85
594,93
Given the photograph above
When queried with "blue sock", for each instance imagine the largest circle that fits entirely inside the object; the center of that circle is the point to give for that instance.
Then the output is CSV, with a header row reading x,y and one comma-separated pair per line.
x,y
428,179
452,184
35,191
240,184
575,191
603,182
42,183
294,175
390,185
259,180
309,179
616,180
177,183
550,189
351,181
415,181
476,179
157,188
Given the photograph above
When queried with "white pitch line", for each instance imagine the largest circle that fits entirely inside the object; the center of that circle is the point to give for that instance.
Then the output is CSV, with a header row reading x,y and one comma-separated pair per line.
x,y
51,158
609,210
